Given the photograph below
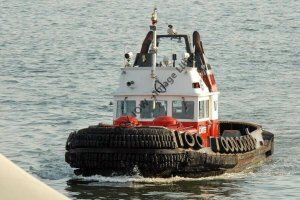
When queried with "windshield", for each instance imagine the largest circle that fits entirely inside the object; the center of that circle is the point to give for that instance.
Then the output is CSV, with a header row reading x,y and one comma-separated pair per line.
x,y
153,109
183,109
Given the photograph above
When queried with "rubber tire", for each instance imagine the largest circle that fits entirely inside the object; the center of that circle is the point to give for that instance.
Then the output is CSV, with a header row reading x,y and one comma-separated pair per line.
x,y
122,138
224,145
188,140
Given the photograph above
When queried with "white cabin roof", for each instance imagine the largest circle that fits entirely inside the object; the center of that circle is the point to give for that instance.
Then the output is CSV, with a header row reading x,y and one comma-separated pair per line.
x,y
177,81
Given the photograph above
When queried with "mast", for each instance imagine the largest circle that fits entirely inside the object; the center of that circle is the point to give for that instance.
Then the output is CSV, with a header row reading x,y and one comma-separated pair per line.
x,y
153,49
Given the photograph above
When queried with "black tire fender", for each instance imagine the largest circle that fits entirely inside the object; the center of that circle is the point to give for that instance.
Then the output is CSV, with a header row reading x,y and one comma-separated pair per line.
x,y
249,143
245,143
236,147
240,144
179,139
230,145
253,141
224,144
198,141
188,140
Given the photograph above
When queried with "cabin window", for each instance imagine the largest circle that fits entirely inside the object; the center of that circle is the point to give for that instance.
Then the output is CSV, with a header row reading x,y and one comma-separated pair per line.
x,y
125,108
183,109
203,109
153,109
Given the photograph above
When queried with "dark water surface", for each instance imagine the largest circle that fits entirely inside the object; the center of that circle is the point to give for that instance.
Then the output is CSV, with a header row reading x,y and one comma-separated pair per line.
x,y
60,61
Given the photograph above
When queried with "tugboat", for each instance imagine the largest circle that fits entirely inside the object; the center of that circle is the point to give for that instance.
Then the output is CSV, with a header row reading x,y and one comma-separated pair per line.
x,y
166,119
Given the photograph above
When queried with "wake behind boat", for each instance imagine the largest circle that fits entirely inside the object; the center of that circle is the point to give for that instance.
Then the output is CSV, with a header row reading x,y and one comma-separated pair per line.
x,y
166,118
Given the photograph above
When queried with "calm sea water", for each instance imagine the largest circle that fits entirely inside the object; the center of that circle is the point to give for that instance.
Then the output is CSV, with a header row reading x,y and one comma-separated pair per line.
x,y
60,60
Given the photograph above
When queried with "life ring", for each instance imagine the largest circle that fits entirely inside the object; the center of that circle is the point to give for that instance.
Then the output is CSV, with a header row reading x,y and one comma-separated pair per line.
x,y
188,140
126,121
224,143
198,142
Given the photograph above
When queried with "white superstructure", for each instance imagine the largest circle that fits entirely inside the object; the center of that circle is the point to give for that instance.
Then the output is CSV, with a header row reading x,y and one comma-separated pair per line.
x,y
169,77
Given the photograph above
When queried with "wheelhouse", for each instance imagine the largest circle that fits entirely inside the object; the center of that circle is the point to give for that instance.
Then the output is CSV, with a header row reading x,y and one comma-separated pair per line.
x,y
169,78
184,109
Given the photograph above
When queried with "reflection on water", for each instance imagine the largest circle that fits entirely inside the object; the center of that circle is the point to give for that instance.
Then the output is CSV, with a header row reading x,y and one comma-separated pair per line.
x,y
99,187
